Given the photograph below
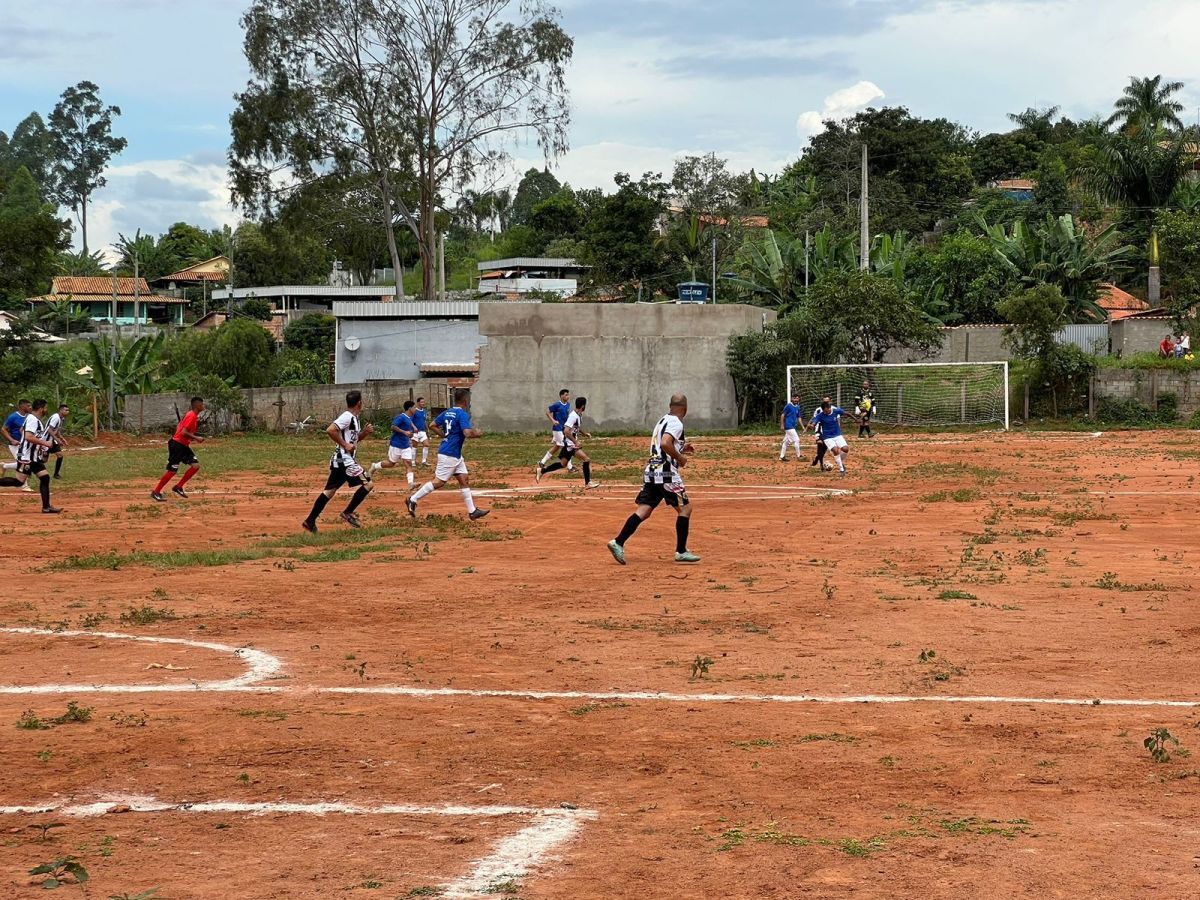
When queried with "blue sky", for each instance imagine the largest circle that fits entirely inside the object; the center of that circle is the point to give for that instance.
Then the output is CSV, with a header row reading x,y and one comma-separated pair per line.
x,y
651,79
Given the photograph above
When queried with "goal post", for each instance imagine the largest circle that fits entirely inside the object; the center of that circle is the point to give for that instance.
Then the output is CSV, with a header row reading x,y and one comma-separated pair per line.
x,y
920,394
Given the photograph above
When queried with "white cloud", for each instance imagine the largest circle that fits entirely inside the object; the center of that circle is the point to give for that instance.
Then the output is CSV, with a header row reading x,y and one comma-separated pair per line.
x,y
838,105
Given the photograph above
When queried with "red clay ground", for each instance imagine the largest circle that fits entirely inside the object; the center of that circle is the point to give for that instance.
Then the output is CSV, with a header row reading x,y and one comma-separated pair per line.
x,y
1028,566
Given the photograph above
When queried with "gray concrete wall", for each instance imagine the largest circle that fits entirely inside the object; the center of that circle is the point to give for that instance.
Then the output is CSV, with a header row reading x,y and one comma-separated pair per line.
x,y
273,409
965,343
627,359
395,348
1147,385
1139,335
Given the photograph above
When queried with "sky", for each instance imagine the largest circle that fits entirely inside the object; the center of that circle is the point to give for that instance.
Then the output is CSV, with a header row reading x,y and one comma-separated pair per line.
x,y
651,79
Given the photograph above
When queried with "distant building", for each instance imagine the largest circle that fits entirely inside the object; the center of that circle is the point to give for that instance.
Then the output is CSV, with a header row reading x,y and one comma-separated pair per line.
x,y
1119,304
8,320
407,340
211,271
514,279
1016,188
106,299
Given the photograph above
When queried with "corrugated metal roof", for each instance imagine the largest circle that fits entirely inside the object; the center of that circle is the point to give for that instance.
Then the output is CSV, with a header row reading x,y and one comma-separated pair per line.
x,y
530,262
307,290
411,309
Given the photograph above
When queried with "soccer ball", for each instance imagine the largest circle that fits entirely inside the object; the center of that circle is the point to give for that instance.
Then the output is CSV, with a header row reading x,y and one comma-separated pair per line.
x,y
827,466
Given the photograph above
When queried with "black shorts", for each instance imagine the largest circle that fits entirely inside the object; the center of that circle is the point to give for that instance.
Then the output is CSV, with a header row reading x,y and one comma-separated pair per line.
x,y
36,467
56,447
653,493
338,477
178,454
566,454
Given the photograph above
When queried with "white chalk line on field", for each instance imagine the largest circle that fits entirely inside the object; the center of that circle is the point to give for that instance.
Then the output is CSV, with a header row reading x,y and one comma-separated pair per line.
x,y
262,665
515,856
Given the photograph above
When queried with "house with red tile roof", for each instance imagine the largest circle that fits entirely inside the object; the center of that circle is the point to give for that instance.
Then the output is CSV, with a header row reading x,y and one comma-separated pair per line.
x,y
123,300
1119,304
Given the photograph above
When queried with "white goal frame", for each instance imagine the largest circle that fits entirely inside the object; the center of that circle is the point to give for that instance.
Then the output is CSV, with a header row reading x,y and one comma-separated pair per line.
x,y
1002,364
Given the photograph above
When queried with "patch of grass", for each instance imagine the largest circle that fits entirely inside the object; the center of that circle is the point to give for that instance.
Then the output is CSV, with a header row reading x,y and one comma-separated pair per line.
x,y
146,615
426,891
833,737
596,707
1109,582
929,470
956,595
962,495
757,742
267,715
30,721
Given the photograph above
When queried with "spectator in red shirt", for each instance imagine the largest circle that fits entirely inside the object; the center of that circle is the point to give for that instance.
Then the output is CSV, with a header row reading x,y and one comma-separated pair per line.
x,y
179,451
1166,347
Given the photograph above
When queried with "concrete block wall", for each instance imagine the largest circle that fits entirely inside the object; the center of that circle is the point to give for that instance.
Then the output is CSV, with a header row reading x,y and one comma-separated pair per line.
x,y
1147,385
627,359
1139,335
273,409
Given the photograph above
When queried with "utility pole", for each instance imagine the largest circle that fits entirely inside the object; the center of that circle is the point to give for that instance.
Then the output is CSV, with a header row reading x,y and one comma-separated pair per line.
x,y
864,237
806,260
137,319
714,292
442,267
112,355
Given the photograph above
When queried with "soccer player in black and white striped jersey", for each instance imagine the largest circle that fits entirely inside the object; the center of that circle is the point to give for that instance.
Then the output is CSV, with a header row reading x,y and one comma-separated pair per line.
x,y
55,427
31,455
346,431
572,431
662,482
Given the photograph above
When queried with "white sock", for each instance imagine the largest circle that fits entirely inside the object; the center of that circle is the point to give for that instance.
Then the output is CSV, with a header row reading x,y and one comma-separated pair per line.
x,y
545,459
424,491
410,477
11,465
570,467
841,465
424,454
376,466
468,499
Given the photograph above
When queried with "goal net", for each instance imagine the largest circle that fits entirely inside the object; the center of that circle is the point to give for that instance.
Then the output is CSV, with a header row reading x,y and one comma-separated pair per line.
x,y
927,394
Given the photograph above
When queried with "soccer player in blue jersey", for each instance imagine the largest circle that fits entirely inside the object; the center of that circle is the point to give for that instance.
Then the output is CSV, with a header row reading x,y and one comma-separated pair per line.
x,y
557,413
420,434
787,424
14,426
819,459
829,421
400,448
455,425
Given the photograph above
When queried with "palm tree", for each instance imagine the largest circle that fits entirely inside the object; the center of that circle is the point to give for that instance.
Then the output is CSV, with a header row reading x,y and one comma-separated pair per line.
x,y
1038,122
1139,169
1148,104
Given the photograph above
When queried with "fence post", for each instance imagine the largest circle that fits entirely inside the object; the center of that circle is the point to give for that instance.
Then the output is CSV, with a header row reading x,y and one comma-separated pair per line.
x,y
141,414
1092,397
962,418
1154,389
900,404
1027,401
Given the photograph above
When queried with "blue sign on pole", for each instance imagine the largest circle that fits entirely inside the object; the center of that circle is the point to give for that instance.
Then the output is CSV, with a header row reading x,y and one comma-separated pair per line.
x,y
692,292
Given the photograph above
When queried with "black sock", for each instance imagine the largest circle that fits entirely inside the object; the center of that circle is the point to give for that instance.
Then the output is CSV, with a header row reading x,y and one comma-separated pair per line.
x,y
682,524
587,473
553,467
44,488
821,448
359,496
10,481
318,507
631,525
58,466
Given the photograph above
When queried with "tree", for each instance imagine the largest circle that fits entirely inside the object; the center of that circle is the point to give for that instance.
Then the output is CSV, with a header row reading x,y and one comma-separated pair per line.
x,y
62,317
1036,315
773,271
131,369
1179,247
315,332
274,254
241,350
557,217
426,93
536,186
259,310
1148,105
874,312
31,146
1039,123
1060,253
1141,172
620,232
31,236
704,186
965,275
81,126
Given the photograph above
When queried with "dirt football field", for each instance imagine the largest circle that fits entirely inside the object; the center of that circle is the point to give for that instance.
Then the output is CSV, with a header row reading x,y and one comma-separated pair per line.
x,y
933,678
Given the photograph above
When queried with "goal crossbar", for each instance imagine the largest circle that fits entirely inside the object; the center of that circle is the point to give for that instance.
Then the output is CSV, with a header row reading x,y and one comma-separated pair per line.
x,y
952,393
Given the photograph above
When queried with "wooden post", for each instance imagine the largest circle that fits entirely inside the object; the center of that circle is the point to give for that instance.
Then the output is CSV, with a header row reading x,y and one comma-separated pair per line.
x,y
962,416
900,404
1154,389
95,419
1092,397
1026,401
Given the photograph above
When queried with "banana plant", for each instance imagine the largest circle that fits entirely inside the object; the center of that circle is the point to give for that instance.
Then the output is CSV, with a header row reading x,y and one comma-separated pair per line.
x,y
134,371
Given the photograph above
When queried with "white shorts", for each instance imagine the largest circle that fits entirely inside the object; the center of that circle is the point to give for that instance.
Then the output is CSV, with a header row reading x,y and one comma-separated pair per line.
x,y
449,466
556,438
421,437
395,454
834,443
792,436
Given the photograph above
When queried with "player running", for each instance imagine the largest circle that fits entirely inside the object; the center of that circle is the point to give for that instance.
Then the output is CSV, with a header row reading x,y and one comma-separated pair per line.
x,y
819,460
864,409
400,448
13,427
345,431
31,455
55,426
455,424
572,430
420,434
557,413
179,451
662,482
787,424
829,421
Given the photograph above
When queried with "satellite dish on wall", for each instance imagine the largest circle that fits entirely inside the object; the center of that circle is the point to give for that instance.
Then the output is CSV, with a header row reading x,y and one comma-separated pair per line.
x,y
352,344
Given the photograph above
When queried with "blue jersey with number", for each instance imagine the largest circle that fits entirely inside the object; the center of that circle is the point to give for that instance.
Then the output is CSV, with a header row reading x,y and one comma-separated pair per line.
x,y
791,416
454,423
418,419
402,441
828,423
560,411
